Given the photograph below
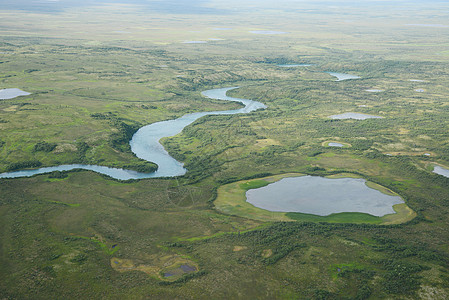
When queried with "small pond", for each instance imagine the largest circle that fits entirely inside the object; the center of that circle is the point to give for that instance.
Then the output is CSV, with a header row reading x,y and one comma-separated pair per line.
x,y
332,144
267,32
322,196
12,93
194,42
374,90
441,171
343,76
183,269
356,116
294,65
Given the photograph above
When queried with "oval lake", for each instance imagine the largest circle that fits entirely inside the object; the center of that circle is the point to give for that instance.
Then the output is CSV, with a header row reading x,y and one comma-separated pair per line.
x,y
333,144
322,196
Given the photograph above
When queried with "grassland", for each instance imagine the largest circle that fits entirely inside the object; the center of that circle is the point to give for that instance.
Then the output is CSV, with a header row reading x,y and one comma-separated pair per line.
x,y
93,84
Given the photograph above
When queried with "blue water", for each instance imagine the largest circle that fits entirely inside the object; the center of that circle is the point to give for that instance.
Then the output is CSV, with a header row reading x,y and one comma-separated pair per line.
x,y
322,196
111,172
294,65
145,144
441,171
145,141
267,32
343,76
332,144
355,116
194,42
12,93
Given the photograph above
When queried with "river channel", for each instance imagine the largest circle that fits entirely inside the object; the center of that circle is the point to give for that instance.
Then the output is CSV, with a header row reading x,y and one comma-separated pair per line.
x,y
145,143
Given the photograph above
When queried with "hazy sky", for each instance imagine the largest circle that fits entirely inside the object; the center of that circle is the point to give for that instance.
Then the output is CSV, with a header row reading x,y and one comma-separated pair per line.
x,y
198,6
174,6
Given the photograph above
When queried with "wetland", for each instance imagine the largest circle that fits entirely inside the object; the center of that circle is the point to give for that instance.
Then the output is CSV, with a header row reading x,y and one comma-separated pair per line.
x,y
83,235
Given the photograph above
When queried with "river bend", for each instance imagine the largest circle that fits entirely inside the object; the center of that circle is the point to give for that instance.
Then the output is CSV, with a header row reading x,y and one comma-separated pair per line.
x,y
145,143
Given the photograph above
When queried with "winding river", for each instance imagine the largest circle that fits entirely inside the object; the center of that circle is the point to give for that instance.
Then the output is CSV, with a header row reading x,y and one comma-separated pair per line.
x,y
145,143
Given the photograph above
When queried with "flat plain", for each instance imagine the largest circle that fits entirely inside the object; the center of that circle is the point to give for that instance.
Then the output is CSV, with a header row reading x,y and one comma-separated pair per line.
x,y
98,73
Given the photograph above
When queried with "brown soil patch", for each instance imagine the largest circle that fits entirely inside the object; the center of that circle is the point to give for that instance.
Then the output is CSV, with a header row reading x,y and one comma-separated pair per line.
x,y
239,248
64,148
266,142
267,253
11,108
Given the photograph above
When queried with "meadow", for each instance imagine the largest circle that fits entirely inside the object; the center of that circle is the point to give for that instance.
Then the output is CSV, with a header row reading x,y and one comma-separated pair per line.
x,y
83,235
